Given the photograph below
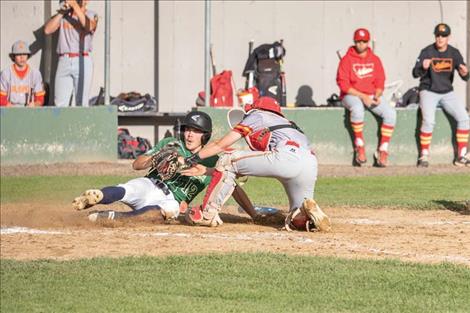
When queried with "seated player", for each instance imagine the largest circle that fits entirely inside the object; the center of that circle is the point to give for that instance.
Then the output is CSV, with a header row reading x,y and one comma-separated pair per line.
x,y
20,84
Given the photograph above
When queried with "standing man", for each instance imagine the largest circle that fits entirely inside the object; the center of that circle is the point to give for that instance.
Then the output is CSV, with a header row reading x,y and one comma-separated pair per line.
x,y
435,68
74,73
21,85
361,80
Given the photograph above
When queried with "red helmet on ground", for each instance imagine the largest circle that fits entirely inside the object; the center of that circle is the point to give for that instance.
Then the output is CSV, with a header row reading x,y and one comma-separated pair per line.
x,y
361,34
266,104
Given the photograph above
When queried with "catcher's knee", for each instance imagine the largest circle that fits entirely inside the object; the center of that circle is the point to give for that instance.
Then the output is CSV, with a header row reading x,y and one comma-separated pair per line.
x,y
219,190
225,163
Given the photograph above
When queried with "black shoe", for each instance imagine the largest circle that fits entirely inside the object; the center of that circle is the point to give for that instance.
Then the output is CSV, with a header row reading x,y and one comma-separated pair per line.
x,y
423,161
463,161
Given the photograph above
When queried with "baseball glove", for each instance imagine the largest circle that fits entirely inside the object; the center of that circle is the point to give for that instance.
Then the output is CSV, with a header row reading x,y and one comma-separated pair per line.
x,y
165,161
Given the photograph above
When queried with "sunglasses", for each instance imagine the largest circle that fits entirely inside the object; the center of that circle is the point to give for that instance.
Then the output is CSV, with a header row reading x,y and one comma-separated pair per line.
x,y
361,41
443,36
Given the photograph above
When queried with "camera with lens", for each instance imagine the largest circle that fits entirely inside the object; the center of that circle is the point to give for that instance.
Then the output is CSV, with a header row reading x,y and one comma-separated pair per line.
x,y
66,9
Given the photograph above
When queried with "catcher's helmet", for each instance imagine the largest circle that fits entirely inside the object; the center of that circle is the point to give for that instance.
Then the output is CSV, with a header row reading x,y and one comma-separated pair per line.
x,y
198,120
266,104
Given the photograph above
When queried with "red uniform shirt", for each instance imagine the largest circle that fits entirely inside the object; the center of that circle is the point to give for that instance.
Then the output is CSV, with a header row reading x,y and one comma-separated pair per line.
x,y
365,74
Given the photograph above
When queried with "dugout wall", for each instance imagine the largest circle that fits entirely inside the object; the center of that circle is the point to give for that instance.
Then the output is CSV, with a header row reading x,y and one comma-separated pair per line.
x,y
53,135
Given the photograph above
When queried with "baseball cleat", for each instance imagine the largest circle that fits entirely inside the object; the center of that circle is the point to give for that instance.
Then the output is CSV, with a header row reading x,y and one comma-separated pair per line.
x,y
87,199
423,161
103,215
198,217
381,158
360,157
320,219
463,161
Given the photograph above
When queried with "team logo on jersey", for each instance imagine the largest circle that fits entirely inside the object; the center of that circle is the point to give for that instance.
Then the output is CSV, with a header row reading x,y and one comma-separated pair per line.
x,y
363,70
442,65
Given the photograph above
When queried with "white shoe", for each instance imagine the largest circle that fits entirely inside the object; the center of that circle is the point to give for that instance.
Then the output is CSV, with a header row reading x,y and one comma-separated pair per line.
x,y
88,199
463,161
104,215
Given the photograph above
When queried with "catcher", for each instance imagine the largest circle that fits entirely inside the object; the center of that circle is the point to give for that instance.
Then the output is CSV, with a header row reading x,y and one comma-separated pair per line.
x,y
163,188
280,151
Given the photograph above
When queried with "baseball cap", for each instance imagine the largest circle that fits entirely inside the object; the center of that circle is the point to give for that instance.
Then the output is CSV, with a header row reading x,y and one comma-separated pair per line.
x,y
20,47
361,34
442,30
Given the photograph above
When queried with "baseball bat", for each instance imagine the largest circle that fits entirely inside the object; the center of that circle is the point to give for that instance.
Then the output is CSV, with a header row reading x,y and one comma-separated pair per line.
x,y
283,80
250,78
338,54
214,69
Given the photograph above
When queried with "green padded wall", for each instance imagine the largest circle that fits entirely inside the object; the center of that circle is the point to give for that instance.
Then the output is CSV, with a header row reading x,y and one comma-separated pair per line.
x,y
50,135
329,131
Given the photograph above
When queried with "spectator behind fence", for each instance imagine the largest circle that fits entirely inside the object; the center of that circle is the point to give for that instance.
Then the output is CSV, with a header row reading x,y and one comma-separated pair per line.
x,y
361,79
74,73
435,68
21,85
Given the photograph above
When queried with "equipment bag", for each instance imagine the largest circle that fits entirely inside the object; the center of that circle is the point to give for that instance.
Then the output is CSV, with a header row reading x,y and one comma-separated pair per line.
x,y
411,96
130,147
221,90
265,63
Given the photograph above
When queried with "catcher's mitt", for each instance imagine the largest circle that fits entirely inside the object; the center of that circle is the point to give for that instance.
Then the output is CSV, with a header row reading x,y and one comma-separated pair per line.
x,y
165,161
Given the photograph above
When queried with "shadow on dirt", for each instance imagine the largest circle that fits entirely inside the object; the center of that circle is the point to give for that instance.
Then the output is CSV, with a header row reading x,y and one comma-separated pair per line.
x,y
276,220
462,207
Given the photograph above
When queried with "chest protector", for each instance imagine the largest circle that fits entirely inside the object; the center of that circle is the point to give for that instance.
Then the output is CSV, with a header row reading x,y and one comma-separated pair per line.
x,y
260,139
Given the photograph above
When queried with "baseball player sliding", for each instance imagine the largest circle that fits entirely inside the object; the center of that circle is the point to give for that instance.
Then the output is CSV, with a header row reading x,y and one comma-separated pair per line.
x,y
163,188
280,151
435,68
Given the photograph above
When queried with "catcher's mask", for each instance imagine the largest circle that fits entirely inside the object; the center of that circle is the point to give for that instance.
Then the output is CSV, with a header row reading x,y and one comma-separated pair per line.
x,y
198,120
266,104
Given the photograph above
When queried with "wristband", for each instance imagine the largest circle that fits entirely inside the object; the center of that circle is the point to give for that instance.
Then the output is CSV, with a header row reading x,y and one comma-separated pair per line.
x,y
192,160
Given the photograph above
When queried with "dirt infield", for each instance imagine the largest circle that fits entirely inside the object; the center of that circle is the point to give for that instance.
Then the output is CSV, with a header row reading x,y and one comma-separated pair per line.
x,y
55,231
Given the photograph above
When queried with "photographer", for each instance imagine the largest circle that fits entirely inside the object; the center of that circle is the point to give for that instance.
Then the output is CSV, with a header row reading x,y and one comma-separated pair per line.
x,y
74,73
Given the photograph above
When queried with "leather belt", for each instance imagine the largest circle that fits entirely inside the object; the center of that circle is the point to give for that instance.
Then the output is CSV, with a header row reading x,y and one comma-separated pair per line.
x,y
158,183
74,55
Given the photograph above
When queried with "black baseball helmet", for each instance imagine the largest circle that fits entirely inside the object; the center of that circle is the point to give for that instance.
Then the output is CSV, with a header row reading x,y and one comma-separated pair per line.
x,y
198,120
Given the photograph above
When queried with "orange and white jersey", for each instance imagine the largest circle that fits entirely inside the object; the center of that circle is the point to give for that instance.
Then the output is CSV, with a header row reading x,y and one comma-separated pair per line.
x,y
19,87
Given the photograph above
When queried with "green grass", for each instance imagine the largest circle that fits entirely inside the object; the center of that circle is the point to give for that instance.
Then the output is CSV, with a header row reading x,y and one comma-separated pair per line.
x,y
413,192
233,283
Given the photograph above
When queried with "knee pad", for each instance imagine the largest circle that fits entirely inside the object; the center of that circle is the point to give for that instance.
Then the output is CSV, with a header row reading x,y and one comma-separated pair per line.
x,y
225,163
219,190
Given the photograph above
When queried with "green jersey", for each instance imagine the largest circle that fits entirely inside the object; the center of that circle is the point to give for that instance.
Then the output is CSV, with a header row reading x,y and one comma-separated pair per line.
x,y
184,188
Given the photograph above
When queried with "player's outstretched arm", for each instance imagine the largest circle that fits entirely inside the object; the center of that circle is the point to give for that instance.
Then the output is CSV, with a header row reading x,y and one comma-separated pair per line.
x,y
243,201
